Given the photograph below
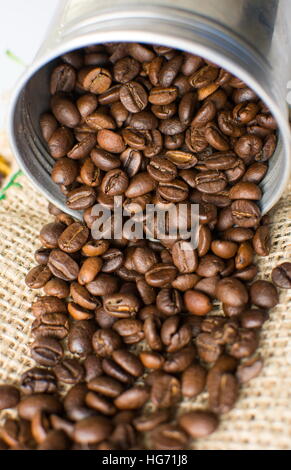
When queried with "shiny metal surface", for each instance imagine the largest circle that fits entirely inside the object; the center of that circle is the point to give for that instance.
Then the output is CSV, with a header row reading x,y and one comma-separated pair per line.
x,y
251,38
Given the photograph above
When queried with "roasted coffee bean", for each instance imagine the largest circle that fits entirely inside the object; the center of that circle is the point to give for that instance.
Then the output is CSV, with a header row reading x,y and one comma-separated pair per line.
x,y
171,126
197,303
79,313
60,142
73,238
169,301
281,276
89,270
106,386
65,111
48,125
41,255
110,141
128,361
238,234
29,406
114,183
93,367
48,304
95,79
249,369
222,385
65,171
105,341
161,169
81,198
161,275
69,371
140,184
132,398
232,292
208,348
125,70
112,260
198,423
151,330
133,96
264,294
253,318
63,266
209,265
165,391
224,249
9,397
121,305
63,79
112,369
151,360
50,233
38,380
148,422
103,284
193,381
168,437
245,213
146,292
51,324
74,403
180,360
80,338
174,334
46,351
95,247
92,430
245,345
38,276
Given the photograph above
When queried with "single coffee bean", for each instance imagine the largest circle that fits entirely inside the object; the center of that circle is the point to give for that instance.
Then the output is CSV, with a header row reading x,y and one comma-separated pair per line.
x,y
125,70
46,351
9,397
249,369
95,79
69,371
103,284
180,360
161,275
151,360
140,184
48,125
38,276
168,437
60,142
224,249
264,294
148,422
38,380
133,96
121,305
281,276
105,341
80,338
197,303
231,292
112,369
193,381
63,266
161,169
165,391
210,265
29,406
89,270
128,361
73,238
132,398
55,325
50,233
198,423
41,255
65,171
106,386
92,430
110,141
65,111
81,198
245,213
63,79
48,304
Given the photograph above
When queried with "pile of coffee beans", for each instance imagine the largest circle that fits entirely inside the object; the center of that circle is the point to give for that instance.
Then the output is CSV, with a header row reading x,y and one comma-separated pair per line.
x,y
128,328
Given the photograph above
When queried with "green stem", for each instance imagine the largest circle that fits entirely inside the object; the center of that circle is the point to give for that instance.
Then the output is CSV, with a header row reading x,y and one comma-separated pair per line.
x,y
11,182
14,57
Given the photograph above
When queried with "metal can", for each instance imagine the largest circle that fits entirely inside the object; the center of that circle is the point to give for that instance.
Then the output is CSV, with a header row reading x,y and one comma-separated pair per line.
x,y
250,38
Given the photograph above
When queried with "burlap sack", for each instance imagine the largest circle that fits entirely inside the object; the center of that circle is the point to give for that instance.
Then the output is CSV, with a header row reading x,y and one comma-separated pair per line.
x,y
261,418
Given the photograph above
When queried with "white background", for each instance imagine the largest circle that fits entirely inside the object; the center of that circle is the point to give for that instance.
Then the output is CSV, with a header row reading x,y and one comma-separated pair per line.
x,y
23,24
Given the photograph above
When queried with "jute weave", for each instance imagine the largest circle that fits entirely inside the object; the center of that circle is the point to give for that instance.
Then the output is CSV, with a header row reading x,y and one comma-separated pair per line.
x,y
261,418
